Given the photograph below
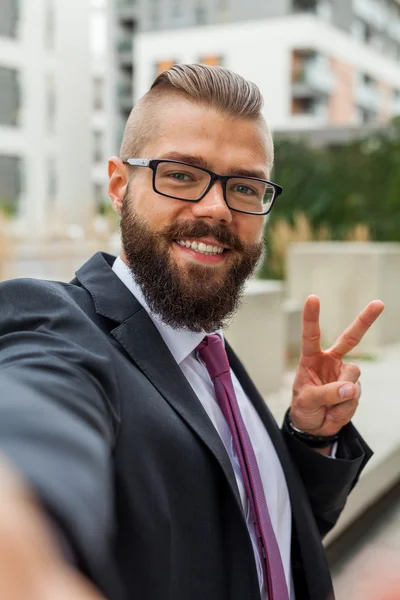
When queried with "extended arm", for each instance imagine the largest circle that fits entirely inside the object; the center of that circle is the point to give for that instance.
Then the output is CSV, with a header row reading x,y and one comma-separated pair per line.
x,y
56,423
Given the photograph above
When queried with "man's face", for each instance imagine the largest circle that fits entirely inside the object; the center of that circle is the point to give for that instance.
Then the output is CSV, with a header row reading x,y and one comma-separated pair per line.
x,y
188,288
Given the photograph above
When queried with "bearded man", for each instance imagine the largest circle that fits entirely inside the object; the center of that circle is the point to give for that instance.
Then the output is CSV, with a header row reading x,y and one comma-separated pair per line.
x,y
142,461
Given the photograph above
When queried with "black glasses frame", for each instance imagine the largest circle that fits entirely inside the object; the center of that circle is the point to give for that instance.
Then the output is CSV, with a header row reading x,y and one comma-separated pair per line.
x,y
153,164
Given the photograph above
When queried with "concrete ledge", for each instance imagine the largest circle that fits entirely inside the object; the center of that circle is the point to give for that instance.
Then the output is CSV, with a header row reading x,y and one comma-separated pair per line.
x,y
257,334
346,276
293,312
51,260
371,487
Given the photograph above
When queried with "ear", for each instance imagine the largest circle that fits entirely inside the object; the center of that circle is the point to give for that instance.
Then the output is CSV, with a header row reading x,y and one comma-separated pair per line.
x,y
118,182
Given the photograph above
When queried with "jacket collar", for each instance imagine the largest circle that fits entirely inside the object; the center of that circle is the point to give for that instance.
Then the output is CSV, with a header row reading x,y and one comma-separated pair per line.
x,y
139,337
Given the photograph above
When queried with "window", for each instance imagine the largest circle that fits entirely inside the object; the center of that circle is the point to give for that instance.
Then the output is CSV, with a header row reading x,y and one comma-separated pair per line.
x,y
214,60
50,25
324,10
51,180
304,5
51,104
9,10
9,97
98,93
98,146
223,10
11,184
98,193
155,19
176,9
200,15
163,65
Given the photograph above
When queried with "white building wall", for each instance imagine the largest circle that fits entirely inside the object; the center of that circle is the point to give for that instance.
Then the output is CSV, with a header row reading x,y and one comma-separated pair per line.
x,y
103,68
261,52
69,146
74,97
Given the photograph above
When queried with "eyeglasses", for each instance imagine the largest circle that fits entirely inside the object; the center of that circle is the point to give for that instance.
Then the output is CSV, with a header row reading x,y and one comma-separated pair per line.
x,y
181,181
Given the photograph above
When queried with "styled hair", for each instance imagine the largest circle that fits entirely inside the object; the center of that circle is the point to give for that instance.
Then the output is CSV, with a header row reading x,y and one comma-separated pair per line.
x,y
216,87
210,86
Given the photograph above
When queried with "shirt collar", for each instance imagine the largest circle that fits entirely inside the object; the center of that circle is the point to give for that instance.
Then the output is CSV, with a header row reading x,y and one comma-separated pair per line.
x,y
180,342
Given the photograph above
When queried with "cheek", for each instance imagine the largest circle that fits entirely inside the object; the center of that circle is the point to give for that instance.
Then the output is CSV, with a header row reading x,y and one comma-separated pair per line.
x,y
160,211
250,228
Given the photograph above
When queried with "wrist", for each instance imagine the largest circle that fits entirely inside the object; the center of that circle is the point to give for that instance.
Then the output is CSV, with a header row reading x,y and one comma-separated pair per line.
x,y
321,443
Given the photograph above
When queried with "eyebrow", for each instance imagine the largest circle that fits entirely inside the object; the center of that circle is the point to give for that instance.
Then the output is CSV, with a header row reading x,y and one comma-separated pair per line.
x,y
199,161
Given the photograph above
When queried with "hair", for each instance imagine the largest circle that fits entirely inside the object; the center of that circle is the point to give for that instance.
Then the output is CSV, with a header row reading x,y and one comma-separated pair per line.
x,y
210,86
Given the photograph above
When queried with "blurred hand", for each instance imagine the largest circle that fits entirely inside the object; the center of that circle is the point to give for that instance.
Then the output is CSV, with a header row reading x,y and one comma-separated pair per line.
x,y
30,566
326,390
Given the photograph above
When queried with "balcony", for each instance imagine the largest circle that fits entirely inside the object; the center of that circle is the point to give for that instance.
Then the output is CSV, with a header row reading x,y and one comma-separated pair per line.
x,y
127,10
125,94
396,106
394,29
367,97
314,78
372,12
125,50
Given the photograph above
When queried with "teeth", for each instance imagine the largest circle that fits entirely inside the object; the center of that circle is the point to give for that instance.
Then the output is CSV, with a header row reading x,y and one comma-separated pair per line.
x,y
206,249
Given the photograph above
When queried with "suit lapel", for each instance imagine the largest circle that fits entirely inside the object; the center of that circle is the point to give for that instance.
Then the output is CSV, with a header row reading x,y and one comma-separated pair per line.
x,y
139,337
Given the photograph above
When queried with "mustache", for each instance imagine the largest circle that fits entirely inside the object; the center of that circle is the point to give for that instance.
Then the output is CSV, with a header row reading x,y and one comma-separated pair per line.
x,y
199,229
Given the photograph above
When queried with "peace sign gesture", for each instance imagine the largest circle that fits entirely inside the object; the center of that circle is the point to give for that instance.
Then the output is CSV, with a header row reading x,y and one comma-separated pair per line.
x,y
326,390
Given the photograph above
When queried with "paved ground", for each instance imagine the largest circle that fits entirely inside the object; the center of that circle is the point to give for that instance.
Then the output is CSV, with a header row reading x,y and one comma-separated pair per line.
x,y
372,562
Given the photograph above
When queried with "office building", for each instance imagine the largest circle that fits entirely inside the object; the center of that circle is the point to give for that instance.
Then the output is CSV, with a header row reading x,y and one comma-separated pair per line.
x,y
45,107
318,64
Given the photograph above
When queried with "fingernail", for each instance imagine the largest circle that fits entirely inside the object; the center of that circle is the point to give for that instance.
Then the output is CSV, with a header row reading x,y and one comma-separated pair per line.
x,y
346,391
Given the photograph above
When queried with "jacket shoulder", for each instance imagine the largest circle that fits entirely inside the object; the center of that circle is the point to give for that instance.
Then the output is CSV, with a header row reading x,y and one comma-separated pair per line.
x,y
36,293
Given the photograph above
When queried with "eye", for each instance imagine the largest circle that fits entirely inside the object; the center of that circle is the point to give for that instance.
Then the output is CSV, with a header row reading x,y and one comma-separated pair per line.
x,y
179,176
240,188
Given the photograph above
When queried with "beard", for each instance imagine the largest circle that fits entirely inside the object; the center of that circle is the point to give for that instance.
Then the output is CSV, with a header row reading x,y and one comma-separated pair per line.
x,y
195,297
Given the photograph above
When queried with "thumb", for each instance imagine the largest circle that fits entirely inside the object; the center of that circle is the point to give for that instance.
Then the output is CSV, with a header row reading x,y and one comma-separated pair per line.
x,y
313,397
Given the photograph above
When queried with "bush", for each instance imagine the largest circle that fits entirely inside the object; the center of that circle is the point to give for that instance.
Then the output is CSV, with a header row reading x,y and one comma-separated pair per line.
x,y
351,191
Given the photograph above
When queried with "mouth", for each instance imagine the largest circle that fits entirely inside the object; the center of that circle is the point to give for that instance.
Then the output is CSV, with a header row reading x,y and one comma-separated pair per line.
x,y
204,250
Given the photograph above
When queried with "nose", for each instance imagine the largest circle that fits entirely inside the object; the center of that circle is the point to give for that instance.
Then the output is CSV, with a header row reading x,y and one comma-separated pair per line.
x,y
213,205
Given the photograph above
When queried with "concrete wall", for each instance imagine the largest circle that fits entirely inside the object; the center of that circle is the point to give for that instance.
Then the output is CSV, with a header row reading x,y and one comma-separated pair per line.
x,y
257,334
346,276
55,261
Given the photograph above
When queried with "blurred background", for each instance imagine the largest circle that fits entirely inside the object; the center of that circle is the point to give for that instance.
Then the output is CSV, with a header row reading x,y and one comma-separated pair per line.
x,y
329,70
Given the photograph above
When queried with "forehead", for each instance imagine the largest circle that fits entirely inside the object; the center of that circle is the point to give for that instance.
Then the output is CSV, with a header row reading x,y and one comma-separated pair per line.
x,y
222,141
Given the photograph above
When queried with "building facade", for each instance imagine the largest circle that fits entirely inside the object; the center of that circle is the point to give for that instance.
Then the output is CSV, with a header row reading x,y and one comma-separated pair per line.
x,y
45,141
320,64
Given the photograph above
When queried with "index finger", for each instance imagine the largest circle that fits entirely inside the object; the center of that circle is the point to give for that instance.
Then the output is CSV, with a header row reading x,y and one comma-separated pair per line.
x,y
311,335
353,335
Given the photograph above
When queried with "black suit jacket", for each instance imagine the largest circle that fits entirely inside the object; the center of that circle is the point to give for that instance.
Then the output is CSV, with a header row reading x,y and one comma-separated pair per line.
x,y
98,417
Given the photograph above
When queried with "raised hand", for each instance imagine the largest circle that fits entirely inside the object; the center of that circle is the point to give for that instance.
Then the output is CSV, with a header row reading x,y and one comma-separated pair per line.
x,y
326,390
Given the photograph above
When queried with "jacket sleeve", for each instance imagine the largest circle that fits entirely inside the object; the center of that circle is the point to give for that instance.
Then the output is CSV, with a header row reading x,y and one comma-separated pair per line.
x,y
57,425
328,481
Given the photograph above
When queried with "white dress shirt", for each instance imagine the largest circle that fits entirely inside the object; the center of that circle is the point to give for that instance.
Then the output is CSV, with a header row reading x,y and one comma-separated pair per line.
x,y
182,346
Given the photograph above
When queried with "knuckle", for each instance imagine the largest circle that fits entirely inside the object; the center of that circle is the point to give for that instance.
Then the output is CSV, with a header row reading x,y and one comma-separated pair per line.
x,y
354,370
351,339
310,338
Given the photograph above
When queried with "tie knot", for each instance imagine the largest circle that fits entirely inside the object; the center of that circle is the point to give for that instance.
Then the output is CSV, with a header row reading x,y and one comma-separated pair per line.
x,y
213,353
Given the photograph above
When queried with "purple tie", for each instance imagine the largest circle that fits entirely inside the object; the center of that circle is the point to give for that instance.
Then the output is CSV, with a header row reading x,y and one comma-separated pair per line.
x,y
212,352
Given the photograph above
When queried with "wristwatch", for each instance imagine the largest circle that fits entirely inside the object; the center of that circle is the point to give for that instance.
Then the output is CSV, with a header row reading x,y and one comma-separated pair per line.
x,y
313,441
